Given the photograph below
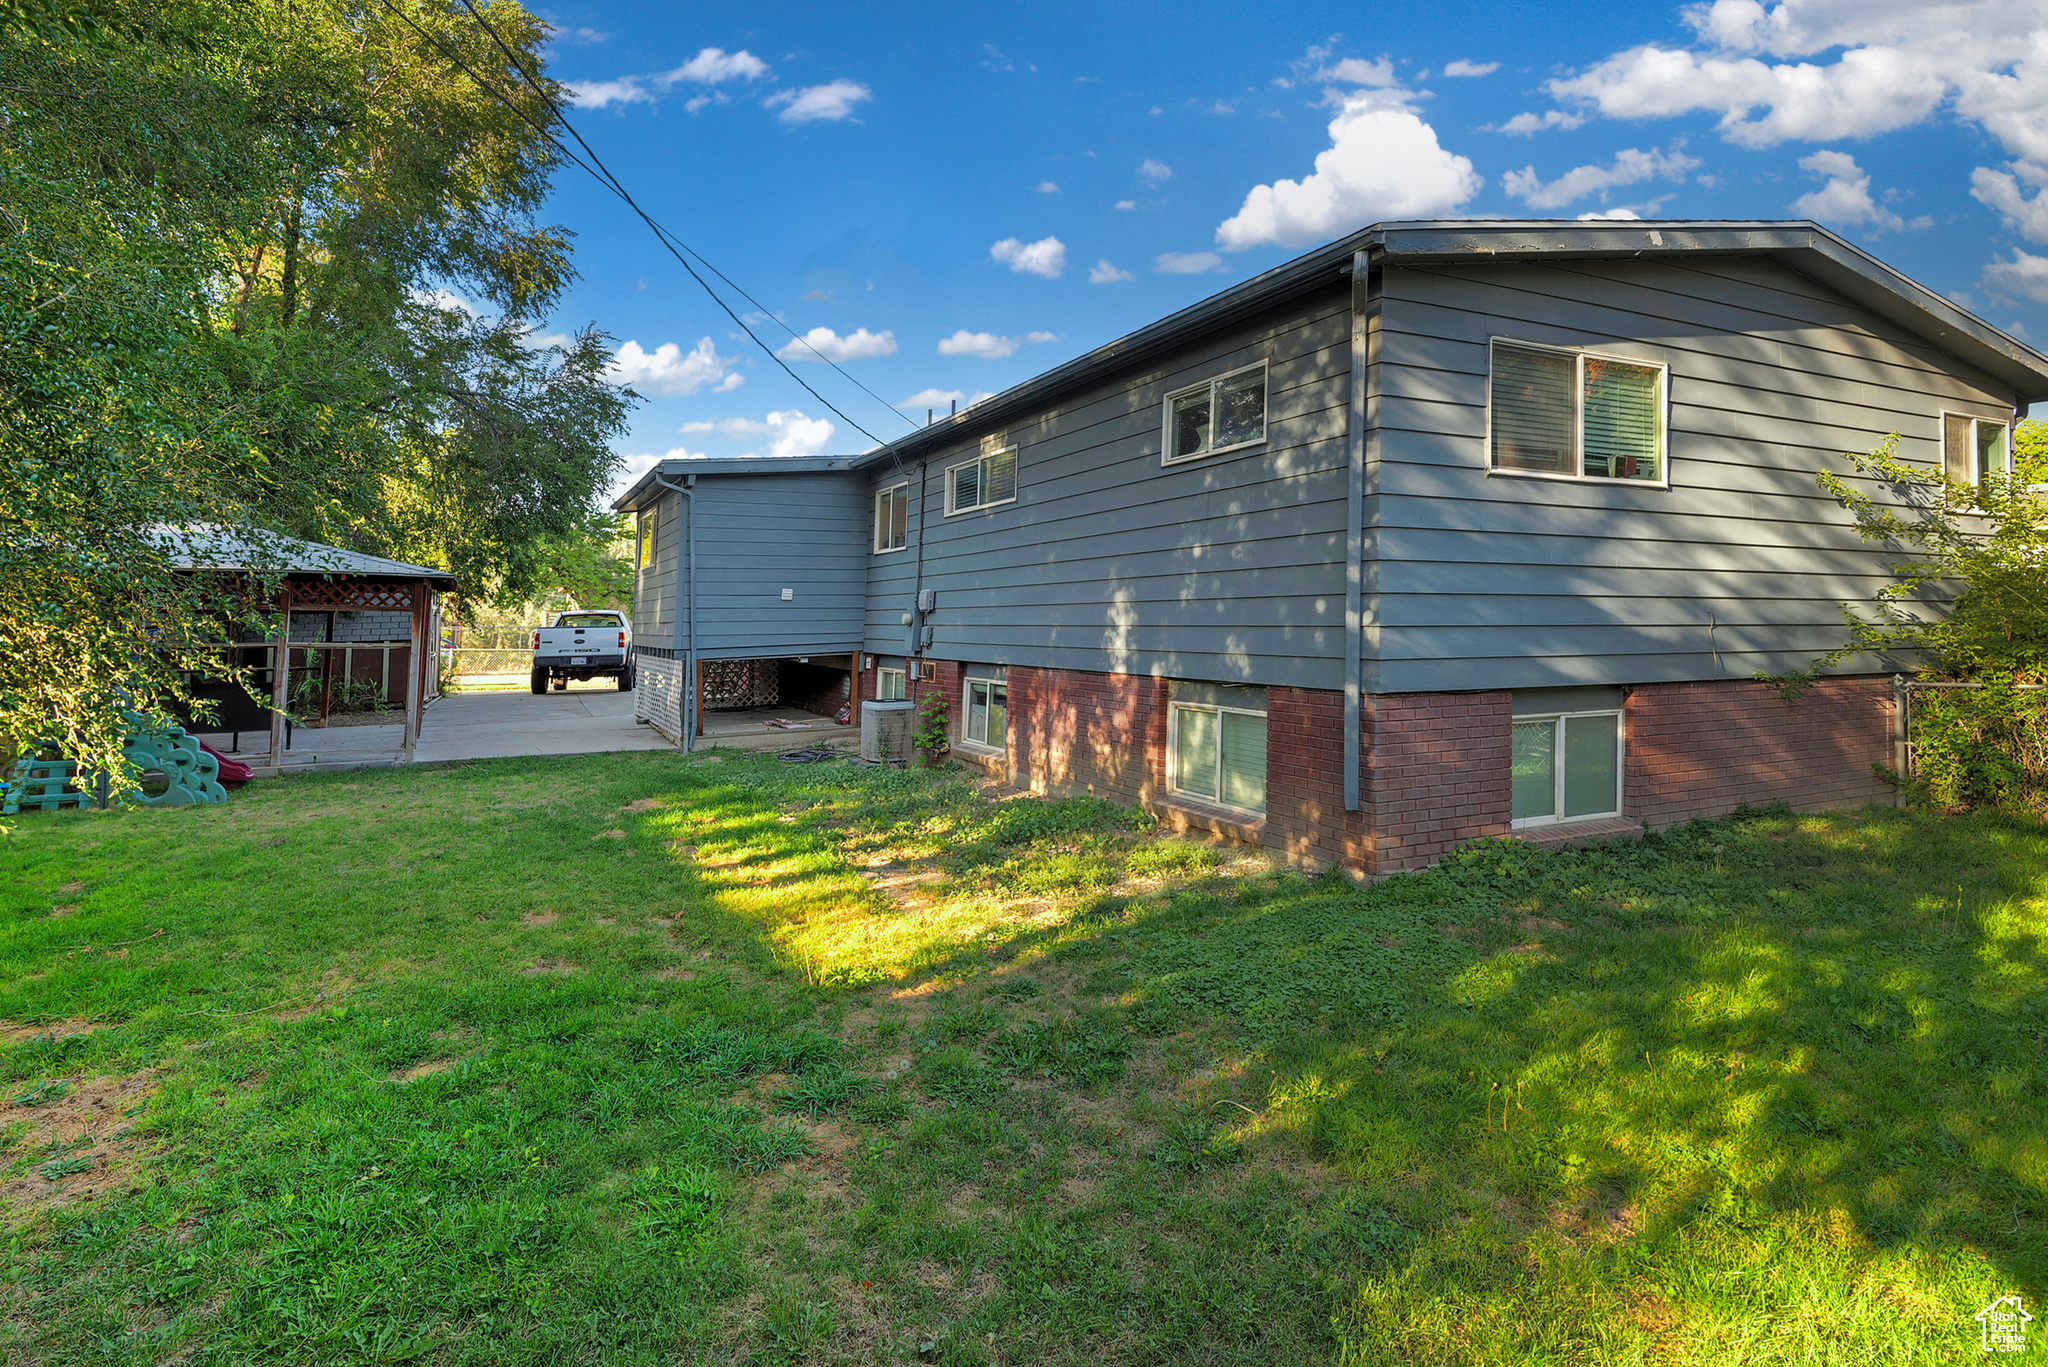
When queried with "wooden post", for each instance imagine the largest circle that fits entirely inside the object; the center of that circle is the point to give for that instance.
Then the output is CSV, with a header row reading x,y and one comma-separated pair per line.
x,y
412,691
327,672
280,674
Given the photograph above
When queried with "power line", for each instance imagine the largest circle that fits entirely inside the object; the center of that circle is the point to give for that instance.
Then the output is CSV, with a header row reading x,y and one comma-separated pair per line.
x,y
604,177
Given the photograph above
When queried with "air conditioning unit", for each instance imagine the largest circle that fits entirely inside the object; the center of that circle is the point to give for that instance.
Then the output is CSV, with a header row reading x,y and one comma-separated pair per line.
x,y
885,731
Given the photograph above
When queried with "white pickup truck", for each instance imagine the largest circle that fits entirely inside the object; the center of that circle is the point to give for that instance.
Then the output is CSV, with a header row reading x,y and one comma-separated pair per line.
x,y
583,645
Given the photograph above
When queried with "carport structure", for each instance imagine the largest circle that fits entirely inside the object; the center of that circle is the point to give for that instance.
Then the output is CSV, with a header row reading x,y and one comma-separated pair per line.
x,y
342,615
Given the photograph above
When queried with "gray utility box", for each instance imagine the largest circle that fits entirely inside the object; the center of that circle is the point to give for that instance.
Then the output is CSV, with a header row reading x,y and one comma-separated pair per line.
x,y
885,731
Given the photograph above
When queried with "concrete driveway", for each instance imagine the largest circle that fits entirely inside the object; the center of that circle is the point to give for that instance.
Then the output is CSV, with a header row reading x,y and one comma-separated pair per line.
x,y
581,721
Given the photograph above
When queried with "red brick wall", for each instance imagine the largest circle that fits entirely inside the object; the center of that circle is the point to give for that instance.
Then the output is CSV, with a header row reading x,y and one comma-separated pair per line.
x,y
1700,749
1305,816
1436,772
1075,732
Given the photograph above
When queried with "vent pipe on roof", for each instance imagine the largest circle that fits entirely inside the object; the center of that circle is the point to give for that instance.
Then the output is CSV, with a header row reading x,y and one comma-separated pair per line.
x,y
928,417
956,408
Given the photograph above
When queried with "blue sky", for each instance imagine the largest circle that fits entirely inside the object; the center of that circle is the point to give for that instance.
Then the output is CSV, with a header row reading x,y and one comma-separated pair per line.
x,y
951,199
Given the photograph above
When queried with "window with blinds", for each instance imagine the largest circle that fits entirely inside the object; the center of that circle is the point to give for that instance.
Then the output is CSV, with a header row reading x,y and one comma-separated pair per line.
x,y
892,518
1573,414
1973,449
1219,755
982,482
1220,414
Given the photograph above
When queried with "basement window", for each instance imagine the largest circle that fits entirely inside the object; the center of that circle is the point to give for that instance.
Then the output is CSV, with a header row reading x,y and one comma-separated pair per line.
x,y
1567,767
1218,754
988,706
1227,413
1564,414
982,482
892,518
1975,448
890,685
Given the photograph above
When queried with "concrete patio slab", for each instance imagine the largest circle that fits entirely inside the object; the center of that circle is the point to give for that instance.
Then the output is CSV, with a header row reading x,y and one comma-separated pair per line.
x,y
494,725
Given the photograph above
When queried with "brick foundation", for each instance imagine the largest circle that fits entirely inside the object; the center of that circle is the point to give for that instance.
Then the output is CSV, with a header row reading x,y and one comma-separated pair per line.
x,y
1434,767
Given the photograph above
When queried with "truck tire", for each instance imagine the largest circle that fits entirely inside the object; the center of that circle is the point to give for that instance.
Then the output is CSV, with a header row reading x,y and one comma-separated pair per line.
x,y
626,679
539,680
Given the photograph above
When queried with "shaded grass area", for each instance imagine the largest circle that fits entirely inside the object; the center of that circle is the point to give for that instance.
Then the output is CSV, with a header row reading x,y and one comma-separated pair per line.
x,y
644,1059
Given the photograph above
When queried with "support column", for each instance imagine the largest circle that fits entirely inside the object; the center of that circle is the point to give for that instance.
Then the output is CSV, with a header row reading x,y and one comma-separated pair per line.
x,y
280,675
413,685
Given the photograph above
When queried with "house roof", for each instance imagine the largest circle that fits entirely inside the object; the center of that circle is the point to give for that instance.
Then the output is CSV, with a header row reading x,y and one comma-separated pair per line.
x,y
216,548
1804,246
675,468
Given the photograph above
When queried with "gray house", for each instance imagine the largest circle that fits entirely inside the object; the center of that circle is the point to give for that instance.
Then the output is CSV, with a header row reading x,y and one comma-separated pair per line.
x,y
1442,530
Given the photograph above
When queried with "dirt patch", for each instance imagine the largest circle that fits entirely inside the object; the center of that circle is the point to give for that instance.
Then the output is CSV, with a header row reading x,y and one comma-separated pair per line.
x,y
76,885
541,918
14,1032
613,834
80,1144
420,1070
677,975
64,912
562,966
681,850
645,804
333,983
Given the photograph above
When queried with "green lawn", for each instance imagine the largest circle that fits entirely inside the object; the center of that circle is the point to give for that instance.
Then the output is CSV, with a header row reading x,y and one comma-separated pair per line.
x,y
639,1058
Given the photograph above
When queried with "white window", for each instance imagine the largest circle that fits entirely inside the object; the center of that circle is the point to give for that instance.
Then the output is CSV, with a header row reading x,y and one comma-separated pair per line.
x,y
892,518
889,685
1218,754
1575,414
1972,448
988,712
1567,767
982,482
1223,414
646,538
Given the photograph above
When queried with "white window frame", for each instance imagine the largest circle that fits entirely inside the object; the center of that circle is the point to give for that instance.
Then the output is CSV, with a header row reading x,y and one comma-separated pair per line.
x,y
1557,721
644,529
882,672
1663,369
1173,712
982,482
1212,384
1941,443
880,494
967,714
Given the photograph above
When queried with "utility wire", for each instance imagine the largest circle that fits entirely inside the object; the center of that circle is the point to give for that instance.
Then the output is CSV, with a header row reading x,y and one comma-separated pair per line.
x,y
604,177
533,79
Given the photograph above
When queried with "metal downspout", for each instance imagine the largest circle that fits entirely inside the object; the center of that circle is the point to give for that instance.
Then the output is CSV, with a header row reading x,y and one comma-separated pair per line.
x,y
1354,543
689,689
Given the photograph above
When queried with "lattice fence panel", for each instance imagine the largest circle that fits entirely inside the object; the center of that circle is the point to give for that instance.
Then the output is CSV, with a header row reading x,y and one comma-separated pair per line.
x,y
364,595
742,683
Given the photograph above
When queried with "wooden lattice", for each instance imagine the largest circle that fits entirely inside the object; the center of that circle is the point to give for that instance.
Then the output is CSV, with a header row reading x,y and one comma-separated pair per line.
x,y
742,683
352,594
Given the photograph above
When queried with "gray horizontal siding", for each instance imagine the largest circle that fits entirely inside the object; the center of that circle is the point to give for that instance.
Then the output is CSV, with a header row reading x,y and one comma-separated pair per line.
x,y
654,594
1742,565
1227,568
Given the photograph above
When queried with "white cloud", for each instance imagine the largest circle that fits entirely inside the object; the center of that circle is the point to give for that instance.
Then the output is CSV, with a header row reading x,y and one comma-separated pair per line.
x,y
714,65
2024,277
697,426
599,94
1353,71
448,301
1046,187
1102,273
796,435
1630,167
1999,190
1619,215
940,398
1127,204
1845,197
1529,125
1187,263
832,101
1041,336
1461,67
668,369
1901,62
824,343
986,345
634,468
1221,108
1154,171
1383,162
1046,257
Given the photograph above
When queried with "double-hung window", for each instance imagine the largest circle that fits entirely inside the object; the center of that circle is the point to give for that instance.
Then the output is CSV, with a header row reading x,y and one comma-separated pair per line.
x,y
1567,767
646,539
1225,413
890,684
982,482
892,518
1218,753
1575,414
1972,448
988,707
